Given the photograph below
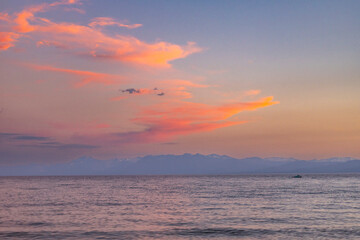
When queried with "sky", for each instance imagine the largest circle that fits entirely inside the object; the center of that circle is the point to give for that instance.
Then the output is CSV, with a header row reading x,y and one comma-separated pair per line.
x,y
121,79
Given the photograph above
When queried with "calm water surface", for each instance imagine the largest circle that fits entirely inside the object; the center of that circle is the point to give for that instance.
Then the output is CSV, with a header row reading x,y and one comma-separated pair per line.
x,y
180,207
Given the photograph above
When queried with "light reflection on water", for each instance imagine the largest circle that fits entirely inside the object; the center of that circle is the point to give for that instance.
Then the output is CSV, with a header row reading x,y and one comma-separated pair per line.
x,y
180,207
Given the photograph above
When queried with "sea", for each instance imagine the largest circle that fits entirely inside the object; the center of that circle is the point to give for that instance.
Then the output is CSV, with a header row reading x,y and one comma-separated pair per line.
x,y
316,206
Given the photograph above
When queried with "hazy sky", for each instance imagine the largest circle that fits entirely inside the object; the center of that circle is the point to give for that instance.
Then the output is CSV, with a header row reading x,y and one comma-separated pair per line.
x,y
118,79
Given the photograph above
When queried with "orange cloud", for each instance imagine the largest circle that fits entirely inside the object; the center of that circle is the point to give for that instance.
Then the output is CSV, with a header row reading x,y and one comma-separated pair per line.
x,y
168,120
88,77
252,92
22,22
22,18
7,39
91,41
156,54
235,108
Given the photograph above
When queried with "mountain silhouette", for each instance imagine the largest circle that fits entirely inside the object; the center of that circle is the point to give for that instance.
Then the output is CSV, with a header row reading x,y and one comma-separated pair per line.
x,y
186,164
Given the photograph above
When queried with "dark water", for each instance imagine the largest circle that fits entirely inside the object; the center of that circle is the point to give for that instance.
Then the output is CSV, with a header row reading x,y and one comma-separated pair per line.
x,y
180,207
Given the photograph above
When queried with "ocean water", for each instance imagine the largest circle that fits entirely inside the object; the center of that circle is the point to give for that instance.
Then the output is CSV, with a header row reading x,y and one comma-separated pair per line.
x,y
180,207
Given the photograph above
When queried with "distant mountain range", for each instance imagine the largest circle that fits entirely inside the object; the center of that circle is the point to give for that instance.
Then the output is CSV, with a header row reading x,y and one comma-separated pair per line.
x,y
185,164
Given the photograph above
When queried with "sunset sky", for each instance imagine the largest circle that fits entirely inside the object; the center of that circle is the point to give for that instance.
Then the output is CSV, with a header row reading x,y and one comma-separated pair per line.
x,y
121,79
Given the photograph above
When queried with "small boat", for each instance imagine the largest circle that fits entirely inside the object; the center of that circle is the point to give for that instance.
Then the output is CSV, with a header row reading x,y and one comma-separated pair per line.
x,y
297,176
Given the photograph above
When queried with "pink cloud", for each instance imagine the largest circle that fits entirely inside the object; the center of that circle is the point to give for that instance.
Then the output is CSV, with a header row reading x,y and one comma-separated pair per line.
x,y
91,41
7,40
168,120
87,76
22,18
5,17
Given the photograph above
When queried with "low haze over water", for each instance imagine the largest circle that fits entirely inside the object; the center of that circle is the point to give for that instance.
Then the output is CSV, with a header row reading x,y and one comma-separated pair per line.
x,y
181,207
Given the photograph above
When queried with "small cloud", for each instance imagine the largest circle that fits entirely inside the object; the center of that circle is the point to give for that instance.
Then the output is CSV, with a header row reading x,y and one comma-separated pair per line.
x,y
76,146
143,91
31,138
44,142
106,21
17,136
5,17
9,134
131,91
78,10
60,146
50,143
55,44
87,76
7,40
252,92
